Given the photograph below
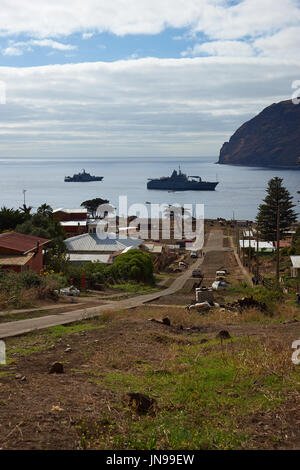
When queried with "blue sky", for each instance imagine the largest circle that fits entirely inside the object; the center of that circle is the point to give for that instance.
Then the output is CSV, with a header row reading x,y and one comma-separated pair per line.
x,y
169,77
106,47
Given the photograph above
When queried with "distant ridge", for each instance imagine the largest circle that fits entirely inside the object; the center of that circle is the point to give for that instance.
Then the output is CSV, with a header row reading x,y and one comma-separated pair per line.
x,y
270,139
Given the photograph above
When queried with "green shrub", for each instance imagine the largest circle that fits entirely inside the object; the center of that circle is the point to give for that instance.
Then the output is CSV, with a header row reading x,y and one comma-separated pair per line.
x,y
135,265
30,279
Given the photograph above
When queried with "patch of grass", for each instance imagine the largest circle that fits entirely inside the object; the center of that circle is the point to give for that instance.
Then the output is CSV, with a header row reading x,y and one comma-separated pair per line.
x,y
41,341
202,393
135,288
23,315
63,330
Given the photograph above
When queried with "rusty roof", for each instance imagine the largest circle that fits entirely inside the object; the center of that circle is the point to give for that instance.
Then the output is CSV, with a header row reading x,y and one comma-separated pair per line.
x,y
20,242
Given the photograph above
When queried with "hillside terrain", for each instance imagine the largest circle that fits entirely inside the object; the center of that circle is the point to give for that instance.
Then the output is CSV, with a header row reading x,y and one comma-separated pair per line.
x,y
270,139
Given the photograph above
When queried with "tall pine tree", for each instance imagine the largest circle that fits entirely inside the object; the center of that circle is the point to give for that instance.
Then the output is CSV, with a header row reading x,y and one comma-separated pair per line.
x,y
277,195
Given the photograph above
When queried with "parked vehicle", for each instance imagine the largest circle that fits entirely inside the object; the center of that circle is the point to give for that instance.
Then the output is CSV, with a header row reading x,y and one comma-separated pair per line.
x,y
194,254
216,285
182,264
221,273
197,273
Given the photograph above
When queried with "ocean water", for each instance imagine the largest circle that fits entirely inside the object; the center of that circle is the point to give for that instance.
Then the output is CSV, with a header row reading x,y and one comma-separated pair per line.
x,y
239,192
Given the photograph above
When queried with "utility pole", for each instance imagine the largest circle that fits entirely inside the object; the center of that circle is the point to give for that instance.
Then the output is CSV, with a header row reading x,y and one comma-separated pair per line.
x,y
278,245
243,248
239,237
257,251
250,247
24,192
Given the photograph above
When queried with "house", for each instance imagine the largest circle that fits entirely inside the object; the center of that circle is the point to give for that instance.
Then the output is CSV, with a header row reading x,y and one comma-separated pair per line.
x,y
283,244
73,221
19,252
295,269
89,247
67,215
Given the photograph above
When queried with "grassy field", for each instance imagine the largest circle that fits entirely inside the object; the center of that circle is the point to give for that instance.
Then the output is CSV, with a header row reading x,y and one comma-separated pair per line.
x,y
210,393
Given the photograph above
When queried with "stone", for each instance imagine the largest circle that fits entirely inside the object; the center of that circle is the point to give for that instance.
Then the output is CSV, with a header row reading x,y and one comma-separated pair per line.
x,y
56,368
223,334
140,402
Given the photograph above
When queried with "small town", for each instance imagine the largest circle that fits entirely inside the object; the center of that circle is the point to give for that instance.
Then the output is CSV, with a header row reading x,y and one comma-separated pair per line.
x,y
150,231
134,325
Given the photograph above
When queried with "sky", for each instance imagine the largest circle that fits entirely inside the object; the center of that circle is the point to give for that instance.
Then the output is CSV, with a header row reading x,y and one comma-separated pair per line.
x,y
141,78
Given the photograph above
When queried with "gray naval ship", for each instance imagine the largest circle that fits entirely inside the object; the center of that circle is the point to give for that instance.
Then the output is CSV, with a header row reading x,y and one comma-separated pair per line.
x,y
178,181
82,177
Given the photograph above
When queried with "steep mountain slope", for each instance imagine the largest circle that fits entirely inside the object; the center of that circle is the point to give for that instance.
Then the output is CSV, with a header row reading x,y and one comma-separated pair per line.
x,y
272,138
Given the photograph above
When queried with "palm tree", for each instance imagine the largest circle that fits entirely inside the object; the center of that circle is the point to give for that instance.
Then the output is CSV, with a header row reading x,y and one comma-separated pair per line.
x,y
26,209
45,210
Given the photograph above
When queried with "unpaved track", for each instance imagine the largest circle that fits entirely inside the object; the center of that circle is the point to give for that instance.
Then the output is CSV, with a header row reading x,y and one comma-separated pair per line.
x,y
214,243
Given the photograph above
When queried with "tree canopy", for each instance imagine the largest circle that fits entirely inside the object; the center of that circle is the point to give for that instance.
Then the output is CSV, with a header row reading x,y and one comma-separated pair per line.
x,y
10,218
135,265
92,205
277,196
46,226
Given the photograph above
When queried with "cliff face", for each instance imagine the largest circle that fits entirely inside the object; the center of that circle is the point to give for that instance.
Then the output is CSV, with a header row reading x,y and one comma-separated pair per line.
x,y
272,138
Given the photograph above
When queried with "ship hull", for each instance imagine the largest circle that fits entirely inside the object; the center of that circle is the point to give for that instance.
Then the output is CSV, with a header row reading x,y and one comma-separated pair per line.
x,y
181,186
75,180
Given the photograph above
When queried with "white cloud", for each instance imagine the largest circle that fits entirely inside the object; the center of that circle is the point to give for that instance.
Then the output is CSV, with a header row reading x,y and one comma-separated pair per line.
x,y
153,106
52,44
87,35
18,48
284,44
248,18
218,19
220,48
12,50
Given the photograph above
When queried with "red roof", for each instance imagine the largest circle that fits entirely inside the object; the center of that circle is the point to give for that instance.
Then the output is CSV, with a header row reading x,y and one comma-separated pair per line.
x,y
283,244
20,242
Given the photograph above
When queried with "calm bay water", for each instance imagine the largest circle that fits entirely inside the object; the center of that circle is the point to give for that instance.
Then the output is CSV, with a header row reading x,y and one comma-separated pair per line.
x,y
240,189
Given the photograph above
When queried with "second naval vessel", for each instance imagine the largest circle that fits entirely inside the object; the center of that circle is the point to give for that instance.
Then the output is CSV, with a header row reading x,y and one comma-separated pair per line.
x,y
82,177
179,181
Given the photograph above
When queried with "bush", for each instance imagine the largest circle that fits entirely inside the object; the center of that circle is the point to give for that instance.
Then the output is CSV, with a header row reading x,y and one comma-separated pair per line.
x,y
30,279
20,289
55,281
135,265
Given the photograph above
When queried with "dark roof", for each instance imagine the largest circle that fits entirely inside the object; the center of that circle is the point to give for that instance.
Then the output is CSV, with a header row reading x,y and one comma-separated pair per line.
x,y
20,242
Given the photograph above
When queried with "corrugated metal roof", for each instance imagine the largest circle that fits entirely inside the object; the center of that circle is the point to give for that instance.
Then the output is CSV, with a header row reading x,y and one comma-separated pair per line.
x,y
295,261
79,210
74,223
91,242
88,257
19,242
15,260
153,248
128,248
157,249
